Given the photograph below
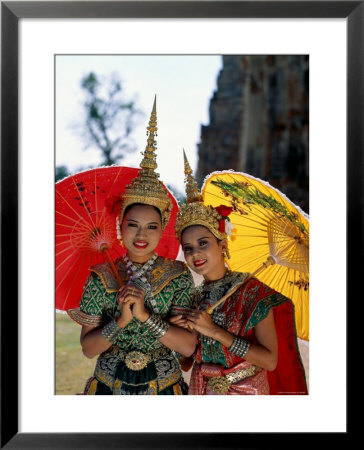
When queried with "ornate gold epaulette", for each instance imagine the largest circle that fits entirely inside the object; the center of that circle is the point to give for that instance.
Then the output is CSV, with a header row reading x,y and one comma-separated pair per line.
x,y
164,271
107,276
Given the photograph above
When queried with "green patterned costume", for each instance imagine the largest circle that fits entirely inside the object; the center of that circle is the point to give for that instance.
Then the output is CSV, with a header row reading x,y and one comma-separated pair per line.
x,y
137,363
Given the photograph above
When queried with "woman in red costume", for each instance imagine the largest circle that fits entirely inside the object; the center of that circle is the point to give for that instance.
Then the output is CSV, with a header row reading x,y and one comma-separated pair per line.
x,y
248,345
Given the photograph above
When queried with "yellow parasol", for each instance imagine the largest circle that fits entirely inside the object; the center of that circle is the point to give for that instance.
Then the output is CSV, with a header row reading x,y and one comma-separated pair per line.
x,y
270,238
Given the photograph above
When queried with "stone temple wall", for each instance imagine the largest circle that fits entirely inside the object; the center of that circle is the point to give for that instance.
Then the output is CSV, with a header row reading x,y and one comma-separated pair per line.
x,y
259,122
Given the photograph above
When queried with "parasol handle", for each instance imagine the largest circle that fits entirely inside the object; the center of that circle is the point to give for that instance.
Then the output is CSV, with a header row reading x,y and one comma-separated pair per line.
x,y
269,262
105,248
230,292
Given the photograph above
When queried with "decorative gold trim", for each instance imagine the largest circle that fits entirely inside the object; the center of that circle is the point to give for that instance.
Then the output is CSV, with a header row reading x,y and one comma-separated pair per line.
x,y
219,385
153,388
92,387
123,355
117,386
146,188
136,360
194,212
104,377
83,318
177,389
168,381
107,276
164,270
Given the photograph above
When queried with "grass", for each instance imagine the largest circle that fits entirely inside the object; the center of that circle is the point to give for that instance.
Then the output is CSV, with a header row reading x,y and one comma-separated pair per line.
x,y
72,367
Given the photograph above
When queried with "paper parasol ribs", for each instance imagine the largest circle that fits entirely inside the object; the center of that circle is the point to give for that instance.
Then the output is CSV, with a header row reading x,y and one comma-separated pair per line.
x,y
270,238
86,206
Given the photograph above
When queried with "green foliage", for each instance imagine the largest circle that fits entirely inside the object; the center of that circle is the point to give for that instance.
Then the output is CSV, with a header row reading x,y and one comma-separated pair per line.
x,y
61,172
179,196
248,196
109,118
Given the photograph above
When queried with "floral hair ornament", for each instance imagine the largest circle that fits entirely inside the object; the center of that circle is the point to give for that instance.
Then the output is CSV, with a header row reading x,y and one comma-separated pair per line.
x,y
225,226
113,205
194,212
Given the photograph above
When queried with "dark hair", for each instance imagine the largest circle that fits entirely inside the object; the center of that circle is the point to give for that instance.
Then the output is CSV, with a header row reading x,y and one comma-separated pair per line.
x,y
128,208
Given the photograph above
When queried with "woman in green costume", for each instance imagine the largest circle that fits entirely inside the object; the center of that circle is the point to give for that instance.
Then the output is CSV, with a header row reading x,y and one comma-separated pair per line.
x,y
127,326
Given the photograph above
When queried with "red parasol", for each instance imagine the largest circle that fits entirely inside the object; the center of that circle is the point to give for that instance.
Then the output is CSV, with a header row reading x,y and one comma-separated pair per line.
x,y
86,205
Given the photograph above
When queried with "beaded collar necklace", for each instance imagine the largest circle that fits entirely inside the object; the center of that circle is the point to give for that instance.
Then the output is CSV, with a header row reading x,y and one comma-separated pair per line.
x,y
213,291
138,273
217,285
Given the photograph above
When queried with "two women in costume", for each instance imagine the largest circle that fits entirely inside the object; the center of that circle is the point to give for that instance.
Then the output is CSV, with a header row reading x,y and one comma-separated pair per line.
x,y
248,345
126,325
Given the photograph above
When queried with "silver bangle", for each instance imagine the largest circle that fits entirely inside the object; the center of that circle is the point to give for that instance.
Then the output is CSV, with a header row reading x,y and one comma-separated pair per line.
x,y
239,347
111,331
156,326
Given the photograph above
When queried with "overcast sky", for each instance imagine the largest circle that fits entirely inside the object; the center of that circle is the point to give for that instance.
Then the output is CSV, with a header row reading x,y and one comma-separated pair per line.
x,y
183,84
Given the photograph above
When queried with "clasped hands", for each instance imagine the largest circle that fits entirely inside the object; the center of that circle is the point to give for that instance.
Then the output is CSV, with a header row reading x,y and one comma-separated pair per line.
x,y
131,303
197,319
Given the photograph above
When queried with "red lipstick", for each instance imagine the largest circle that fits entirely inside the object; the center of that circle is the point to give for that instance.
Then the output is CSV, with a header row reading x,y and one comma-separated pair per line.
x,y
140,244
199,262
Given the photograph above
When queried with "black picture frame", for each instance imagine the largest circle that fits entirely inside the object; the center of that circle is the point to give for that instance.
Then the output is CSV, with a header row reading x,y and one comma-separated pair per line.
x,y
11,12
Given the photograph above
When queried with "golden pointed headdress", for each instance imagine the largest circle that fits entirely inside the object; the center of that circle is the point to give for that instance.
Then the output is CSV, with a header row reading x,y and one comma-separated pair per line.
x,y
194,212
146,188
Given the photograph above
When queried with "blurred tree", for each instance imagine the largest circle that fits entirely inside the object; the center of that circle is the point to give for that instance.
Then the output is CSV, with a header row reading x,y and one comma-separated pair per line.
x,y
178,195
61,172
109,118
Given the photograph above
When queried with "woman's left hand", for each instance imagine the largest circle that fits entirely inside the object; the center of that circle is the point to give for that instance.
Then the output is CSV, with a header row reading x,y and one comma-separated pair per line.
x,y
135,297
179,321
202,322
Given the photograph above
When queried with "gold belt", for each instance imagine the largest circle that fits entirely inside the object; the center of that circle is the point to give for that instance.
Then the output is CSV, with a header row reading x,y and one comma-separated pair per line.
x,y
137,360
220,385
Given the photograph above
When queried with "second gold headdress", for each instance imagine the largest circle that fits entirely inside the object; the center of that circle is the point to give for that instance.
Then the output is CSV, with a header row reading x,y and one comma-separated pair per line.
x,y
146,188
194,212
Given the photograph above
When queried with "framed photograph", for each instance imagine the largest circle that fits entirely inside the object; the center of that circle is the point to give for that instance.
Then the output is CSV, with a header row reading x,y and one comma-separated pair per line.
x,y
32,34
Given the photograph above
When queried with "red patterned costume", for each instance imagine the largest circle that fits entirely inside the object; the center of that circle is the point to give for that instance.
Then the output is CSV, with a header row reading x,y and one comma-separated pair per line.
x,y
239,314
217,370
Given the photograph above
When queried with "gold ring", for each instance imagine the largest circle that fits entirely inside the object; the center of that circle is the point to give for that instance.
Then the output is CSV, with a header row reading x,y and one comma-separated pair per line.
x,y
132,292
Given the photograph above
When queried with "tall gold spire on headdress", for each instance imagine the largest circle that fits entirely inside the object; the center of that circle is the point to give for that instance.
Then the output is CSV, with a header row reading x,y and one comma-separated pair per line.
x,y
149,164
194,212
146,187
192,192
